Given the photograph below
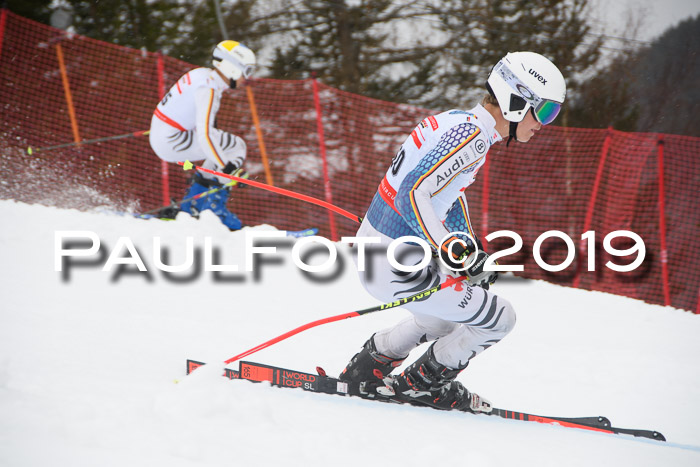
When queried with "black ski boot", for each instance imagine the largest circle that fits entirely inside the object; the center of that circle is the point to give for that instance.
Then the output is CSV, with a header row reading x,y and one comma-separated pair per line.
x,y
168,212
428,382
369,365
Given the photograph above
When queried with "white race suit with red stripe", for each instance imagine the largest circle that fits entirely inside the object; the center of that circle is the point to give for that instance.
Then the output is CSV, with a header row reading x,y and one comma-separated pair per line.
x,y
183,124
422,194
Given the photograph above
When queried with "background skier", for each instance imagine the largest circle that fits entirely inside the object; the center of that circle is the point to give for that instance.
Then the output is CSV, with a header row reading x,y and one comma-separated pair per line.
x,y
183,127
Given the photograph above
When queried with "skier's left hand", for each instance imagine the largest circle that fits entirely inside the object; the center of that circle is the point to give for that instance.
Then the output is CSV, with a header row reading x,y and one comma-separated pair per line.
x,y
241,174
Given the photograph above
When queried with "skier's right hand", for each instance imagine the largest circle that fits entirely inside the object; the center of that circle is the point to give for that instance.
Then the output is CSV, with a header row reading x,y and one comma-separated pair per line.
x,y
455,256
476,274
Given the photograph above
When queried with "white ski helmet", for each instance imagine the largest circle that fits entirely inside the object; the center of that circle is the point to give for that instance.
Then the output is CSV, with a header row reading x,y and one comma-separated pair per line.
x,y
234,60
521,81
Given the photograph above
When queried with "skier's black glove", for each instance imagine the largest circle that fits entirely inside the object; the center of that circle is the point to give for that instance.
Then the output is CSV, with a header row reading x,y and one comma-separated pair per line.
x,y
230,168
241,174
456,257
236,172
476,274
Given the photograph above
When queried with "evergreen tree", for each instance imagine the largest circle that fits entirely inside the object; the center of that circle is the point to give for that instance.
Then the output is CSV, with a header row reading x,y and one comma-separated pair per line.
x,y
666,83
188,32
654,89
351,46
200,32
483,31
38,10
605,100
140,24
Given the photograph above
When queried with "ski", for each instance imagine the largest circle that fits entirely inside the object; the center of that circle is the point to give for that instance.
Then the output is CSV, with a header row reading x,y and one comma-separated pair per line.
x,y
320,382
302,233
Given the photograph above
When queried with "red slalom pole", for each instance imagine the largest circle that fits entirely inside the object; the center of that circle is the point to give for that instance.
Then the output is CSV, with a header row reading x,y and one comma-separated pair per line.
x,y
187,165
413,298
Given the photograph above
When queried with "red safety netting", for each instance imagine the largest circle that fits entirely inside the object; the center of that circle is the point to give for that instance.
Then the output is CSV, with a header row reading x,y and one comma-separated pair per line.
x,y
567,179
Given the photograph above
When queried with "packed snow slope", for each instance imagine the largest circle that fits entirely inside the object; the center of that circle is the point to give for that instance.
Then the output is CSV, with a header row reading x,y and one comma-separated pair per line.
x,y
89,361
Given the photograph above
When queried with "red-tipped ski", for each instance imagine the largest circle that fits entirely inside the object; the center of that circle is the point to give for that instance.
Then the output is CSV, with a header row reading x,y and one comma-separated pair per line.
x,y
322,383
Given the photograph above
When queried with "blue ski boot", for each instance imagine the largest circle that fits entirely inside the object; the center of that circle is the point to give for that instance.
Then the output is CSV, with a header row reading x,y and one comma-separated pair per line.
x,y
215,202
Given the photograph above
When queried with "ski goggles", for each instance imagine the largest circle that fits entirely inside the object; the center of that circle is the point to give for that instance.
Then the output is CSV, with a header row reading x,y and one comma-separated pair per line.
x,y
544,110
248,71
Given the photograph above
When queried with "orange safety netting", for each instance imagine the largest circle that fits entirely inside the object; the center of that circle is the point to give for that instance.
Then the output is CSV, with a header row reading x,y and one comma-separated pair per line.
x,y
59,88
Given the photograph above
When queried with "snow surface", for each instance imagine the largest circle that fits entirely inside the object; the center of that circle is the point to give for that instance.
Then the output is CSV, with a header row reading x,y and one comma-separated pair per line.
x,y
89,362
